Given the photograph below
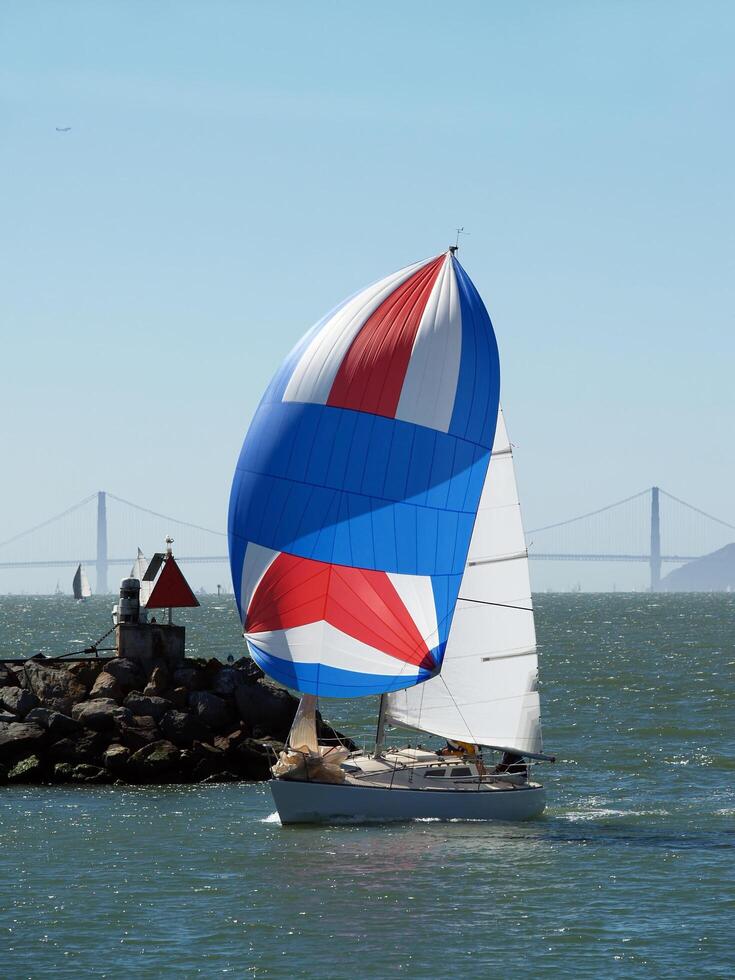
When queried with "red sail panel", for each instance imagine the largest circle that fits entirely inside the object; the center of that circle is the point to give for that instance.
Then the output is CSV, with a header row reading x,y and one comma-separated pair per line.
x,y
371,375
360,602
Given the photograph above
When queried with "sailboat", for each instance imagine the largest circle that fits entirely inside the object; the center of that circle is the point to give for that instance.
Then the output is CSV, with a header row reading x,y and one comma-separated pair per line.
x,y
377,548
80,584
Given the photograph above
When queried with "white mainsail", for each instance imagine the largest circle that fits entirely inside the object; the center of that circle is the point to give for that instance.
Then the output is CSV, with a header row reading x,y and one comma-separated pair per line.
x,y
487,691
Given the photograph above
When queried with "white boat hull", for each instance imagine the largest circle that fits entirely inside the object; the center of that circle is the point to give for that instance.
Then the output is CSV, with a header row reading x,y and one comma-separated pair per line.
x,y
309,802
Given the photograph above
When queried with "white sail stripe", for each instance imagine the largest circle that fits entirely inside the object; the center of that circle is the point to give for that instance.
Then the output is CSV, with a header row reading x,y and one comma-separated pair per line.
x,y
417,595
315,372
322,643
255,564
430,385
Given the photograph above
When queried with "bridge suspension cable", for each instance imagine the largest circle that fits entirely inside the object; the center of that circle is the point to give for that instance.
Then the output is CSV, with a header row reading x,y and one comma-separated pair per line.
x,y
50,520
697,510
592,513
165,517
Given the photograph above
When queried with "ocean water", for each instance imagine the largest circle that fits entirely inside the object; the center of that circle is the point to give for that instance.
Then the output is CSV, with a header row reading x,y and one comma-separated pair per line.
x,y
630,873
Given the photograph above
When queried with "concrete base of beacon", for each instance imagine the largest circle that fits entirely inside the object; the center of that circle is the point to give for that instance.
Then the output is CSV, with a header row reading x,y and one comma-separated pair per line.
x,y
305,802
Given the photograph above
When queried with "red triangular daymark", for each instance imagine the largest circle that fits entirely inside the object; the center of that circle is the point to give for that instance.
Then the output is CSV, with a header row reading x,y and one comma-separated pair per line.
x,y
171,589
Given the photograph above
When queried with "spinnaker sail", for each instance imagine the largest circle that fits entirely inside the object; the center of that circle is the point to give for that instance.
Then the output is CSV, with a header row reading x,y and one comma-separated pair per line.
x,y
487,691
357,487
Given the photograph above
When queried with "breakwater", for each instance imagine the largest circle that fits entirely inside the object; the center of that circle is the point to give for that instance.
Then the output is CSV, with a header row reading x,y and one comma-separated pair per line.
x,y
109,720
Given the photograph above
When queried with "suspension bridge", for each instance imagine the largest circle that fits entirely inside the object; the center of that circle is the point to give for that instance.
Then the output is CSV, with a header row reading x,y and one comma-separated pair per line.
x,y
103,530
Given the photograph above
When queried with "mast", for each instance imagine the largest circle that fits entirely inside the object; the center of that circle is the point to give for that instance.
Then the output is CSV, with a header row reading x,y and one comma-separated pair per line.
x,y
380,732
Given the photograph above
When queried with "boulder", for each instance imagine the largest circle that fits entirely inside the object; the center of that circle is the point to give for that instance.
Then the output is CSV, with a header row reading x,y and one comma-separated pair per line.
x,y
211,710
206,760
20,738
181,728
145,721
85,671
127,673
62,772
230,741
221,777
141,704
88,746
6,717
212,667
116,758
266,708
7,677
154,761
226,681
101,715
140,732
17,700
159,683
188,677
28,770
55,687
85,773
248,670
56,724
107,686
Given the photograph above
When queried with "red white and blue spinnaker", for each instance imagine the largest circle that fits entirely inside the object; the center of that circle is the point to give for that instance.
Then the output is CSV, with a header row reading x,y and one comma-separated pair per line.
x,y
357,487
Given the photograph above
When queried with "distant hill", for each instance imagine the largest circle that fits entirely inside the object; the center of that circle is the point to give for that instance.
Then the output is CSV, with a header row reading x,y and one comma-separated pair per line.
x,y
713,573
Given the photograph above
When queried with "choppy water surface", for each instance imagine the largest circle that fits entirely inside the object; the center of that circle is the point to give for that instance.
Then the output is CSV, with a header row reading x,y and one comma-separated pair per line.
x,y
630,873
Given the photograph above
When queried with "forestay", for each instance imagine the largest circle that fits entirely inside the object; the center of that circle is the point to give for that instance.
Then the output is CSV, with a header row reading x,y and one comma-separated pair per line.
x,y
486,692
358,483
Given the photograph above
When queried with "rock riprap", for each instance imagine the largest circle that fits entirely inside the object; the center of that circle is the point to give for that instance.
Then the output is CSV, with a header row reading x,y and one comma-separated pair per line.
x,y
102,721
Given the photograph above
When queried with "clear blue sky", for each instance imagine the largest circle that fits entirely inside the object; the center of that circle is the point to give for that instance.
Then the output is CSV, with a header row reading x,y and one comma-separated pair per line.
x,y
234,169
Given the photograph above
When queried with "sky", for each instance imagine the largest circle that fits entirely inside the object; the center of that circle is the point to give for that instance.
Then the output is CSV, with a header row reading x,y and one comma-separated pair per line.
x,y
234,169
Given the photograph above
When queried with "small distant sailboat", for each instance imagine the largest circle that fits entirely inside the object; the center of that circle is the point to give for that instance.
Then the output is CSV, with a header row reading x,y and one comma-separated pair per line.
x,y
377,548
80,584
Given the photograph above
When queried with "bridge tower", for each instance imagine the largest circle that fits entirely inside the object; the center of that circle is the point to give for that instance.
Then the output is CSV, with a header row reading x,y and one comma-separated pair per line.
x,y
101,542
655,541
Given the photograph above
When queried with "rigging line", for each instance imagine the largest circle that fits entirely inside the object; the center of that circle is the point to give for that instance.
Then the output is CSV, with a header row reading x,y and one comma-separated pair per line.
x,y
592,513
459,712
697,510
165,517
49,521
502,605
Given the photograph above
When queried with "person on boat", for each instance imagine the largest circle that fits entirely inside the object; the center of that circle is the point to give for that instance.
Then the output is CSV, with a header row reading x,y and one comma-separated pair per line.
x,y
453,748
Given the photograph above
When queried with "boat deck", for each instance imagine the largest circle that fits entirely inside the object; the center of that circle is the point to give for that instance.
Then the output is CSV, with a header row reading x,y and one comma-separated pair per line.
x,y
420,769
